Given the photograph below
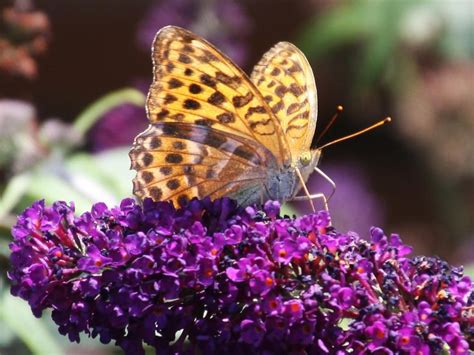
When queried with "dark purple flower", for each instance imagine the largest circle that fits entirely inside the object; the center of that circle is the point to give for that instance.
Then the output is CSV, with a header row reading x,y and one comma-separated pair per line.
x,y
231,280
241,273
261,282
377,333
118,127
284,252
224,23
293,309
302,333
93,261
252,331
206,271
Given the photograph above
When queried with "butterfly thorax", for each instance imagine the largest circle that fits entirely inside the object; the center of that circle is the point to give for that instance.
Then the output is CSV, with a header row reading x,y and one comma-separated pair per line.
x,y
281,184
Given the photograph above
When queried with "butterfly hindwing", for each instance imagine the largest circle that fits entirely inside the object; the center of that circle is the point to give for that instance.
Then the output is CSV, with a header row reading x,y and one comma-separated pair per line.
x,y
178,160
286,81
197,84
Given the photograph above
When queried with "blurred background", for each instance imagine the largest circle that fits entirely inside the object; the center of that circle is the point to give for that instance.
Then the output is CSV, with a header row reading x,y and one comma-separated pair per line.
x,y
73,77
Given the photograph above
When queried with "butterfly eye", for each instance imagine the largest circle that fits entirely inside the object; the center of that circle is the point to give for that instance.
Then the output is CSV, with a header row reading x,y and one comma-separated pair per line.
x,y
305,158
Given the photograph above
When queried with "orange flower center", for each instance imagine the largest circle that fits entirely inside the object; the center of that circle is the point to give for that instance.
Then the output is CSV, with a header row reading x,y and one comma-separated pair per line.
x,y
379,333
295,307
269,281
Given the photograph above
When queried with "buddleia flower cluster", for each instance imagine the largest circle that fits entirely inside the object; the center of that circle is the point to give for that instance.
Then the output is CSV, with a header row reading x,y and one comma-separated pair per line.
x,y
215,278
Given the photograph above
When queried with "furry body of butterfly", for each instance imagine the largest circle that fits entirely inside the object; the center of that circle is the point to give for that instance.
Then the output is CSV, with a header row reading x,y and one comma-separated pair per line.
x,y
216,132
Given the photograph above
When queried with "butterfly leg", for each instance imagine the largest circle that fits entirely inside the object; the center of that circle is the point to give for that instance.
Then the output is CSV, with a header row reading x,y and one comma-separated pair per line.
x,y
328,179
313,197
320,195
305,189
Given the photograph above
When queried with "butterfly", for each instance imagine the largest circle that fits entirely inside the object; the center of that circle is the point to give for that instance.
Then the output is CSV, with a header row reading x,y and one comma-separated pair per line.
x,y
216,132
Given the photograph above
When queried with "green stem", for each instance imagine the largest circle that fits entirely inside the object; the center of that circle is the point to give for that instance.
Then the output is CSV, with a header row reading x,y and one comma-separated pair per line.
x,y
92,113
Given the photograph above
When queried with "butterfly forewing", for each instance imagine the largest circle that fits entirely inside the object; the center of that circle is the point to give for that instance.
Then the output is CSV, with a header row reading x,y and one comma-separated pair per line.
x,y
286,81
195,83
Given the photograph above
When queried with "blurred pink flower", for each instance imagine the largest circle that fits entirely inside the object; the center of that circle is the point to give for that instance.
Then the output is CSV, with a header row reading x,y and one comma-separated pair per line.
x,y
24,34
436,114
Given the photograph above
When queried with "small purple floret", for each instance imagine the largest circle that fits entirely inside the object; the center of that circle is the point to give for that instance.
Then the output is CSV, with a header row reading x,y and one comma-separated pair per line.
x,y
215,278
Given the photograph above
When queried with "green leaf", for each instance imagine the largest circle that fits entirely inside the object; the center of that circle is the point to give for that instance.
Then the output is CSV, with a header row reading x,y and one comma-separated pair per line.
x,y
381,47
116,164
344,24
6,335
4,249
469,270
84,179
65,186
373,24
287,209
17,316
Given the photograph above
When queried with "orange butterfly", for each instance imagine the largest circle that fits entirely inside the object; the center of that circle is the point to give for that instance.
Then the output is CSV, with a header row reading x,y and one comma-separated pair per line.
x,y
216,132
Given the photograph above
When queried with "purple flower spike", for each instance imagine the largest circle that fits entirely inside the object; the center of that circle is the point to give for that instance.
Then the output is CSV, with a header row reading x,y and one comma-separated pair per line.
x,y
214,278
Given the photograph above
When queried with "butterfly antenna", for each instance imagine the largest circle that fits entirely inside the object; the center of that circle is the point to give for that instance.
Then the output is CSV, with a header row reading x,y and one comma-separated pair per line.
x,y
378,124
305,189
339,109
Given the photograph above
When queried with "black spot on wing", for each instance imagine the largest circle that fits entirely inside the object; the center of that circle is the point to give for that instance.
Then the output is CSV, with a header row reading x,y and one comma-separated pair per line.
x,y
166,170
174,83
226,117
240,101
147,159
156,193
195,88
216,98
174,158
207,80
173,184
275,72
191,104
155,143
147,177
179,145
184,58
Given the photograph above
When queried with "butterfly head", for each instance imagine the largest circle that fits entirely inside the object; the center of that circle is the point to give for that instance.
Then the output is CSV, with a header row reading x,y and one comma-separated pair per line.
x,y
307,161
